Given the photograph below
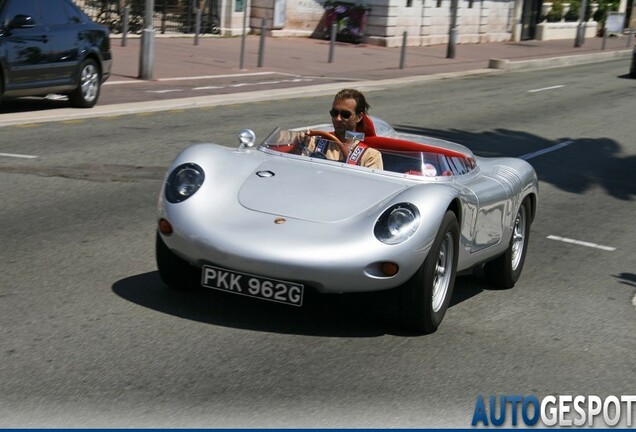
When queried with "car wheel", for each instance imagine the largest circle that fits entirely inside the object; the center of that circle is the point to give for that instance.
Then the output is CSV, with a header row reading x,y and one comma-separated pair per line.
x,y
87,92
175,272
504,271
425,297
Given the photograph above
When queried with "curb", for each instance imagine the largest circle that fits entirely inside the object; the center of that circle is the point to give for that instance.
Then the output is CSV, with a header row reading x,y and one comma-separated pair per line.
x,y
115,110
555,62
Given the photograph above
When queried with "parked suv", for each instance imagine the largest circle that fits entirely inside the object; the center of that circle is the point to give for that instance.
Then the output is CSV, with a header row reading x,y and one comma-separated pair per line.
x,y
51,46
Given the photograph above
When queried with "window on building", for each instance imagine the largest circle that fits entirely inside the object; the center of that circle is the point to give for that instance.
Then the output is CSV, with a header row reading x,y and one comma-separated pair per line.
x,y
409,3
439,3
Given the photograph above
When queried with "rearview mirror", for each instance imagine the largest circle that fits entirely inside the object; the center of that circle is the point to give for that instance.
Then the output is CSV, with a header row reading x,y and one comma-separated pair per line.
x,y
22,21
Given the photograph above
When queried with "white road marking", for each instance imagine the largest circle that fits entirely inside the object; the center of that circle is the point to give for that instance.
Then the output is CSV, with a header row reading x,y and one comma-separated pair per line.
x,y
207,88
122,82
217,76
294,80
21,156
546,88
56,96
164,91
203,77
546,150
581,243
237,85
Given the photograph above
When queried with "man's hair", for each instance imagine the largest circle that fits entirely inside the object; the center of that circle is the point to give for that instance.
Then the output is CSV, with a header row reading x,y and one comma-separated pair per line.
x,y
361,103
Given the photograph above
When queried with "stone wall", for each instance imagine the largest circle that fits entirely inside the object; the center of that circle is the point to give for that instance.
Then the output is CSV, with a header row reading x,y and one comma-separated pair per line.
x,y
425,21
563,29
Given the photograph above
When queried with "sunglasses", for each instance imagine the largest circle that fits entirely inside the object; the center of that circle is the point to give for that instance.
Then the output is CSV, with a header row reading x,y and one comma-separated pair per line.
x,y
344,114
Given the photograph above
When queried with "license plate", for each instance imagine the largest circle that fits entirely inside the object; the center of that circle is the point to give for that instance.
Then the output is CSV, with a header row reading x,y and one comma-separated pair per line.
x,y
279,291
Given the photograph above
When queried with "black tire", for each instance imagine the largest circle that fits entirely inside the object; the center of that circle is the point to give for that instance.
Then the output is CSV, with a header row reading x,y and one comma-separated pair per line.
x,y
504,271
175,272
90,83
425,297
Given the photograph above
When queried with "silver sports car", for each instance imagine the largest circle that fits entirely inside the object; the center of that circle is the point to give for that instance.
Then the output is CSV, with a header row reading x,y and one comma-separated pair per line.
x,y
273,221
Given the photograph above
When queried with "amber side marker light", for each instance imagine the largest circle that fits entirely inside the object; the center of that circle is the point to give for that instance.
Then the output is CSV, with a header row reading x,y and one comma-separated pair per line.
x,y
389,268
164,227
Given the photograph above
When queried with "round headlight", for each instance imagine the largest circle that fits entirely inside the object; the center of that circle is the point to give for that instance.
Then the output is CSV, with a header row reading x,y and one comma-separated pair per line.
x,y
397,223
183,182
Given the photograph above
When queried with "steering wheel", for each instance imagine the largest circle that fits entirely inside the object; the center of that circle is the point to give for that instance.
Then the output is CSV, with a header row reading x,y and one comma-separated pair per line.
x,y
330,137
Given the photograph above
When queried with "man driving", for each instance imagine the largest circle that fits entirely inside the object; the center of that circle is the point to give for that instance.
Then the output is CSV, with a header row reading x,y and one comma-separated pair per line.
x,y
347,113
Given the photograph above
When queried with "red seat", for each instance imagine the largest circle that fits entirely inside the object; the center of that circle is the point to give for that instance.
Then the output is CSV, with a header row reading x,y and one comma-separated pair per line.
x,y
396,144
366,126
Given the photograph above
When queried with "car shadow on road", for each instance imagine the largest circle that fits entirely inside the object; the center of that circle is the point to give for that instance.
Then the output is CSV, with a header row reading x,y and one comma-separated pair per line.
x,y
627,279
589,162
346,315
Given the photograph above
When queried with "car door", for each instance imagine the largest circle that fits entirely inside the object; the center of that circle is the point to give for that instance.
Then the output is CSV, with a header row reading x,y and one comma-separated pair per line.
x,y
24,41
487,204
62,29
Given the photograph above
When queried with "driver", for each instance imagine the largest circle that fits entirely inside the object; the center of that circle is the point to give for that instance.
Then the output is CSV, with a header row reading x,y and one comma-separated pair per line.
x,y
347,111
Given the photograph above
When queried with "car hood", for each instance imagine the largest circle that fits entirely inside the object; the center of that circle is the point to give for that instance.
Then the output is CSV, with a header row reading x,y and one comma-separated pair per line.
x,y
314,191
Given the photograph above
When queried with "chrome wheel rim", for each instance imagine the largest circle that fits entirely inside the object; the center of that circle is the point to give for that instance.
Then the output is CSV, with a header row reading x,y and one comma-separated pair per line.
x,y
443,270
89,81
518,237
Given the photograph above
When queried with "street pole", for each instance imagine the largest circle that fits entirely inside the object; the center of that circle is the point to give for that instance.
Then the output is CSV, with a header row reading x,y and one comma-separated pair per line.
x,y
452,31
580,30
261,45
403,50
332,42
124,29
245,4
147,43
197,24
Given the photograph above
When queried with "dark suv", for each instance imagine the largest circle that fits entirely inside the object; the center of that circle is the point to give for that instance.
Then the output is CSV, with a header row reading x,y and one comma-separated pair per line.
x,y
51,46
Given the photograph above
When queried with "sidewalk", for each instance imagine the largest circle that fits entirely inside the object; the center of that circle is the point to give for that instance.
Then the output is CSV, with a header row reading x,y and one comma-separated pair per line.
x,y
179,67
179,57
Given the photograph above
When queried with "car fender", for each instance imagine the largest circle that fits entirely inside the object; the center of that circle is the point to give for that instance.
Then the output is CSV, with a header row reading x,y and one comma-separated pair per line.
x,y
432,200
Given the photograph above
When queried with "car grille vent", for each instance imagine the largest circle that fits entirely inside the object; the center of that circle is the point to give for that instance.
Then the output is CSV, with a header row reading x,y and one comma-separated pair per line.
x,y
508,174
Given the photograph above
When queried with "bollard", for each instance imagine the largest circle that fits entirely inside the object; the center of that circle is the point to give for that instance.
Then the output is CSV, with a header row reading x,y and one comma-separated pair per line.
x,y
632,71
243,35
629,38
124,26
261,46
604,38
332,42
452,30
197,26
403,51
147,53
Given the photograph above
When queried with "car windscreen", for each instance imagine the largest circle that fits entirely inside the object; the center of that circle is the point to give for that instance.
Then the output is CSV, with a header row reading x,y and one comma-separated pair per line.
x,y
283,140
417,163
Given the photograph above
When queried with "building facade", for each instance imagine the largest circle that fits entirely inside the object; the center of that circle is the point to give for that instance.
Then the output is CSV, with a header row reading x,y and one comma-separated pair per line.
x,y
381,22
426,22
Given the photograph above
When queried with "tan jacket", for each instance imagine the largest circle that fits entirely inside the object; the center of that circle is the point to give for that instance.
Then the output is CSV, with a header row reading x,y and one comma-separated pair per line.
x,y
371,158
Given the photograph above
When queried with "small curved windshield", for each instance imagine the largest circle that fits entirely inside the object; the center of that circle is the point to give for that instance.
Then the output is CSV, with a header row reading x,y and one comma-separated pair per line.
x,y
284,140
417,163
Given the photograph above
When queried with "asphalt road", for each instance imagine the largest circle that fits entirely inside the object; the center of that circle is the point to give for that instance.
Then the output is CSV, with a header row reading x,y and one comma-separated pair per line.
x,y
90,337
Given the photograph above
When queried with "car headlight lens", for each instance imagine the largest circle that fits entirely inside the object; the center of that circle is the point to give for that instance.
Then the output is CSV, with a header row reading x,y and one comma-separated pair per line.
x,y
183,182
397,224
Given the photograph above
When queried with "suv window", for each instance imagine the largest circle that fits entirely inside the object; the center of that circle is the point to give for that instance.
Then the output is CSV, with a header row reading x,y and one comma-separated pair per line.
x,y
22,7
55,12
74,13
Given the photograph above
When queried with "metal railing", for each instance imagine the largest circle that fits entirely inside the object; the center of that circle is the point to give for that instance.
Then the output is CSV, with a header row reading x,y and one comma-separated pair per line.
x,y
177,16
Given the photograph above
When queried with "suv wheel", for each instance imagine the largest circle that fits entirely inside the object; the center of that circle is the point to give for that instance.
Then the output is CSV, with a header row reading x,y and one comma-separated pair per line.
x,y
87,93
